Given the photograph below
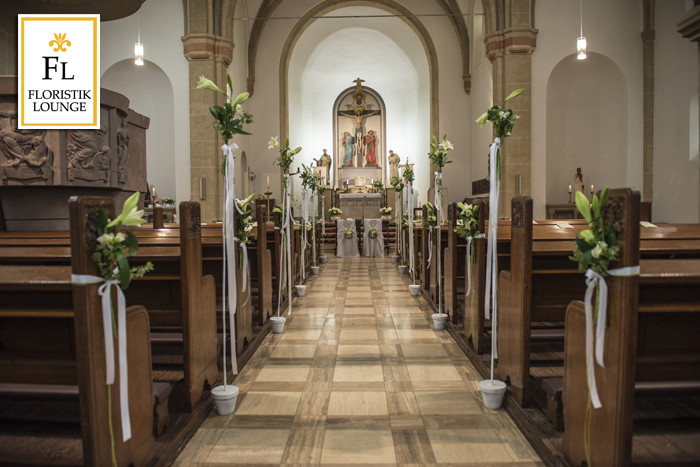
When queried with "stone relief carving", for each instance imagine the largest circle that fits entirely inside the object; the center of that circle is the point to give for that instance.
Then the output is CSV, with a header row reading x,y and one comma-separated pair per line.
x,y
87,158
26,155
122,152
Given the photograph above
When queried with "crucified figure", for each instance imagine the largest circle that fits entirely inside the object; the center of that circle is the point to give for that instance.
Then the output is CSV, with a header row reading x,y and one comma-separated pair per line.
x,y
359,114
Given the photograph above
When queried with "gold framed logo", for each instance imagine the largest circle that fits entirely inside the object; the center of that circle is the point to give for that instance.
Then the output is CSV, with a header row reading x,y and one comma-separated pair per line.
x,y
58,70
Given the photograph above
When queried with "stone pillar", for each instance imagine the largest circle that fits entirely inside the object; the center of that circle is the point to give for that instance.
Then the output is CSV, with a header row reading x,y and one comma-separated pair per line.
x,y
689,27
208,54
648,36
510,51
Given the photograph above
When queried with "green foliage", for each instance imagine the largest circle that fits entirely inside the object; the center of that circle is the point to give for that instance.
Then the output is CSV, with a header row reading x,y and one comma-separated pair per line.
x,y
597,247
229,119
407,174
114,246
378,185
431,220
245,220
308,179
468,224
397,184
438,155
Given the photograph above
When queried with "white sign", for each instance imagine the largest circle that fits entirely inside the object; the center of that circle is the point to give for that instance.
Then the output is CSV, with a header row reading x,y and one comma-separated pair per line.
x,y
58,83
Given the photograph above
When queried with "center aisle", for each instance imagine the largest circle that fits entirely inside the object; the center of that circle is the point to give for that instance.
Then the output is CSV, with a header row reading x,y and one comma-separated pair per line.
x,y
359,377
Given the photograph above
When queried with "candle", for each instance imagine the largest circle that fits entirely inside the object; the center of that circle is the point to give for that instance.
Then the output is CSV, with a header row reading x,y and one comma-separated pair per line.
x,y
592,188
268,180
153,191
569,188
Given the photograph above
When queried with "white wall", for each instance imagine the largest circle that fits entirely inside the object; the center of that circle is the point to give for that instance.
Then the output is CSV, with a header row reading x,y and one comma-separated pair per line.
x,y
676,82
586,116
613,29
151,95
162,26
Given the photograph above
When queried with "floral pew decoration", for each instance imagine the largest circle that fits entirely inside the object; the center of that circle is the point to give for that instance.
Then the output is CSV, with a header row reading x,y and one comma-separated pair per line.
x,y
111,255
468,228
594,251
284,162
503,122
229,121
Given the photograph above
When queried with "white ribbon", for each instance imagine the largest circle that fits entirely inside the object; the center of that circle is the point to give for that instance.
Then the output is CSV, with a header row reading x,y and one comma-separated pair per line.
x,y
323,218
229,266
593,279
104,291
467,262
304,216
430,245
313,228
490,297
411,261
438,232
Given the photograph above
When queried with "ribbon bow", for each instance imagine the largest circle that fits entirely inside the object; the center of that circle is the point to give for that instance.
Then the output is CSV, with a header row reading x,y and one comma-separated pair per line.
x,y
594,279
229,272
104,292
491,253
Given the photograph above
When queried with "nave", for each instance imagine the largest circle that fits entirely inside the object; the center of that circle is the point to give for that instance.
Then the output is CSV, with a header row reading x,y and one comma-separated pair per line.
x,y
359,377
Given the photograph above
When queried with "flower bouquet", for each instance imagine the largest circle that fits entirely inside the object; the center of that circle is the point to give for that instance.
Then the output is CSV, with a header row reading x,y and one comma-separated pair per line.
x,y
386,211
372,231
335,211
348,233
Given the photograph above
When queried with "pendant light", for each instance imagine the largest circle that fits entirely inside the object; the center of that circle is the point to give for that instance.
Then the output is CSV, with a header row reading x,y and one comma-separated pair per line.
x,y
138,47
581,41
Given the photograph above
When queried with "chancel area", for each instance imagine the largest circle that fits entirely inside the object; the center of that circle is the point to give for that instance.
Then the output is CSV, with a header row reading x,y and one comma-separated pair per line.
x,y
389,232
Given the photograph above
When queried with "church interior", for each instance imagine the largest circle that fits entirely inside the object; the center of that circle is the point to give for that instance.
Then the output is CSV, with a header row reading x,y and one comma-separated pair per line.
x,y
391,232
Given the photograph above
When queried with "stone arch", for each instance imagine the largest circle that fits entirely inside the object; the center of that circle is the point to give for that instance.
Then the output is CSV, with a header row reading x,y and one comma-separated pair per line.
x,y
448,6
331,5
586,126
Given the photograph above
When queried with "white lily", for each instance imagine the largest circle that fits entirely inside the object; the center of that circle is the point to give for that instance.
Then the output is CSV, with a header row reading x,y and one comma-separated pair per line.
x,y
273,143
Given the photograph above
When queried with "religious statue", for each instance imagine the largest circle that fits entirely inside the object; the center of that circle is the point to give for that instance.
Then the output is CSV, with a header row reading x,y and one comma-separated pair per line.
x,y
370,149
122,151
394,160
348,144
325,161
578,180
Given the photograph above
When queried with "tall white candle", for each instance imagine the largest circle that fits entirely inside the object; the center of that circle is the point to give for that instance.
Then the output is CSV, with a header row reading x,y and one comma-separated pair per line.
x,y
268,180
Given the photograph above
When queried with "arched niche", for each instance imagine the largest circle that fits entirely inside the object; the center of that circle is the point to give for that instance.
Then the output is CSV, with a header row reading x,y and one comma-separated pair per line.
x,y
345,120
586,125
395,57
150,93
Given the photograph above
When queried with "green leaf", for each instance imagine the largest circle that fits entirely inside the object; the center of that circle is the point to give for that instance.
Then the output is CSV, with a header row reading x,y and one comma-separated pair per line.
x,y
131,243
586,259
242,97
124,271
588,236
604,195
583,207
101,221
483,118
229,81
513,94
596,206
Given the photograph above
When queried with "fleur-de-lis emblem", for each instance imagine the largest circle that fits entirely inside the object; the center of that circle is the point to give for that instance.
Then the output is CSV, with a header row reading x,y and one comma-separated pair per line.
x,y
60,42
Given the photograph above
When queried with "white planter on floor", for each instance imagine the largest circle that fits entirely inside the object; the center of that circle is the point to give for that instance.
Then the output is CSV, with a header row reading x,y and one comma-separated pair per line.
x,y
225,398
402,269
395,259
277,324
414,289
322,259
492,392
439,320
314,270
301,290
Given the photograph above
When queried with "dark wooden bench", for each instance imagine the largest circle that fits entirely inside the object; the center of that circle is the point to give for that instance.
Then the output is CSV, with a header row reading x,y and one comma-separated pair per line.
x,y
52,348
651,346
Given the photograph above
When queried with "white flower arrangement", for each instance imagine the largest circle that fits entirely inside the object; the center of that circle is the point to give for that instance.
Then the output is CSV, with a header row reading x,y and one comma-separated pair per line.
x,y
386,211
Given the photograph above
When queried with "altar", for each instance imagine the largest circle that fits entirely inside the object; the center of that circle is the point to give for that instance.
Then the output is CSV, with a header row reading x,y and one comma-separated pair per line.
x,y
360,205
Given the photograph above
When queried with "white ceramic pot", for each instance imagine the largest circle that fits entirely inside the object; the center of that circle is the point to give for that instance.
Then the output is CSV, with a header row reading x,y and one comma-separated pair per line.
x,y
314,270
402,269
277,324
492,392
225,398
301,290
322,259
439,320
395,259
414,289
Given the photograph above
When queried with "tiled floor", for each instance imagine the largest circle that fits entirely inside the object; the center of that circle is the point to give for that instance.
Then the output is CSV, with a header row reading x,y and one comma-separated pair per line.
x,y
359,377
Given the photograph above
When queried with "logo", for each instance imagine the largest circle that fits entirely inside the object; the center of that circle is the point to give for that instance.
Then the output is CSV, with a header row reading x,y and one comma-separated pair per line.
x,y
58,71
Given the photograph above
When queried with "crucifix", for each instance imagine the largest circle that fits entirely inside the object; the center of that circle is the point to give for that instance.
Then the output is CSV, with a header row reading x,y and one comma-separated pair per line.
x,y
358,111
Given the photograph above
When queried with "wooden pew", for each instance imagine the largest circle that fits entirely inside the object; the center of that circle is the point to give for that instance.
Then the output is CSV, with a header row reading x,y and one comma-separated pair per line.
x,y
53,346
538,287
180,301
650,344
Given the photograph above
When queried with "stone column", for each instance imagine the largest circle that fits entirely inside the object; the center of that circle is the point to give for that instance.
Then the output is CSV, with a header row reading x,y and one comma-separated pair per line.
x,y
510,51
210,56
648,36
689,27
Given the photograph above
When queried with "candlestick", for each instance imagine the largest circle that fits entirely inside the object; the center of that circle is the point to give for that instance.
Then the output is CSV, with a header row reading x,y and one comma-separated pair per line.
x,y
569,188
